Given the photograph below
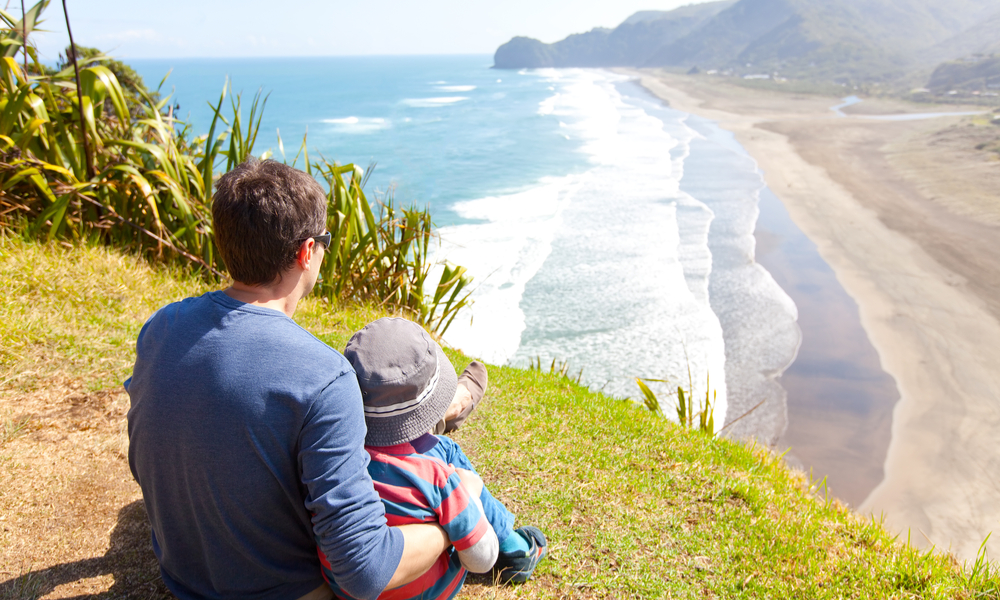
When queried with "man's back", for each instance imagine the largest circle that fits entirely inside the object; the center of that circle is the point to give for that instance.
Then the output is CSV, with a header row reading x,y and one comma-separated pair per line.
x,y
244,435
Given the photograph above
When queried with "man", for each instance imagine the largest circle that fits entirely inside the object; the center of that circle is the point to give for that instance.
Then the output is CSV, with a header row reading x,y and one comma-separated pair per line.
x,y
246,432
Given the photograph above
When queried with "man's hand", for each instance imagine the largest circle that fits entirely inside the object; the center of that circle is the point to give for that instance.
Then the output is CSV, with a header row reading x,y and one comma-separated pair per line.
x,y
463,398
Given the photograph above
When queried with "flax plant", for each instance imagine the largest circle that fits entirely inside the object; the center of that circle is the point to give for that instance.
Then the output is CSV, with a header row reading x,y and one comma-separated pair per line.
x,y
381,254
701,418
151,184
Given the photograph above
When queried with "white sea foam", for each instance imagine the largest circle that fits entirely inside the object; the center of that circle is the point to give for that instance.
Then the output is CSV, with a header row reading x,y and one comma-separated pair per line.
x,y
758,318
433,102
648,312
548,105
502,254
358,124
456,88
608,269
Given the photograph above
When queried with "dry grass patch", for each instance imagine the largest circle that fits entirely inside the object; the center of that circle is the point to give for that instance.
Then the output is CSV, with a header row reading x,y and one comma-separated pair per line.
x,y
72,517
71,523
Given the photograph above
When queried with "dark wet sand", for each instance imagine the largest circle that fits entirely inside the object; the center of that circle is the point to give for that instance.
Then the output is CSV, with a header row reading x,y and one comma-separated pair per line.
x,y
839,399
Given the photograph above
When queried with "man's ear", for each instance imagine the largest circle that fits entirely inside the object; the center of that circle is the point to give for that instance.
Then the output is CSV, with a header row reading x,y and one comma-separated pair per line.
x,y
306,254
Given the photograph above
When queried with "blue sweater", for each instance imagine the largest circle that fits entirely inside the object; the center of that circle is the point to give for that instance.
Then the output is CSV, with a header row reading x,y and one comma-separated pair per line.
x,y
246,436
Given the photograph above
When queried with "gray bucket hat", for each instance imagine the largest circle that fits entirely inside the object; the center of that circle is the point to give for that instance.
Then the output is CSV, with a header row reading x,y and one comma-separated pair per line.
x,y
407,382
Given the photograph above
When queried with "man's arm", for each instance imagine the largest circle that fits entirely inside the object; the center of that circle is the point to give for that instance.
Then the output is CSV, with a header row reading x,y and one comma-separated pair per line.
x,y
422,545
362,554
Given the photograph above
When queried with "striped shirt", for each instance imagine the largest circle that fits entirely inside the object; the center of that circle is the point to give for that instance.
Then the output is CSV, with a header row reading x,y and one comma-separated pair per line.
x,y
416,485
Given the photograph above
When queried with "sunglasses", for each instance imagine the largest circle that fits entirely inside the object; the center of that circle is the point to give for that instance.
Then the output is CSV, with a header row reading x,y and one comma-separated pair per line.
x,y
323,239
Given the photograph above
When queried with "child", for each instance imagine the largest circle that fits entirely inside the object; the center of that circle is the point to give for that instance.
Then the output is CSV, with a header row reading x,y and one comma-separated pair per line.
x,y
407,384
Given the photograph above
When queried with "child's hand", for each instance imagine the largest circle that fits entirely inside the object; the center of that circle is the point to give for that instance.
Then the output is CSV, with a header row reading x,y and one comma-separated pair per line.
x,y
471,482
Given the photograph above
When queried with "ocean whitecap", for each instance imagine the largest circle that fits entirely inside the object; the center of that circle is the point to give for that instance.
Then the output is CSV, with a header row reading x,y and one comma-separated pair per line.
x,y
433,102
354,124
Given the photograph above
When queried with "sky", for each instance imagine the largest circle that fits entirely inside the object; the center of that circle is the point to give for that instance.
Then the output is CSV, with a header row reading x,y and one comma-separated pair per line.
x,y
257,28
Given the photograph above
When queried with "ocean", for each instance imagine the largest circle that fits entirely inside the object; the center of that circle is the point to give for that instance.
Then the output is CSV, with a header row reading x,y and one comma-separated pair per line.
x,y
604,230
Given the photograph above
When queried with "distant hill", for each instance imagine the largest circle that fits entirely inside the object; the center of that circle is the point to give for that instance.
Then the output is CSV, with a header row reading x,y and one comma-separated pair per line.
x,y
983,38
629,44
822,39
981,74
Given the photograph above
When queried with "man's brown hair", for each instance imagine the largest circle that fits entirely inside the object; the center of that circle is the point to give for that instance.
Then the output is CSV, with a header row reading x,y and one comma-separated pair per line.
x,y
262,212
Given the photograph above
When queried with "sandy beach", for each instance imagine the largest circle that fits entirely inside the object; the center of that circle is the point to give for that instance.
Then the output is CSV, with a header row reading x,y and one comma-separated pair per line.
x,y
907,214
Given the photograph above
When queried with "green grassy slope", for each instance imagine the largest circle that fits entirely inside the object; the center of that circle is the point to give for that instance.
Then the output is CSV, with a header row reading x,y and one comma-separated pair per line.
x,y
634,506
637,507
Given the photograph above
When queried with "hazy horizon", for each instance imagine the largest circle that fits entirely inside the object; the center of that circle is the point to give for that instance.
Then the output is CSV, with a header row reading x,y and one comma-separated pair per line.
x,y
310,28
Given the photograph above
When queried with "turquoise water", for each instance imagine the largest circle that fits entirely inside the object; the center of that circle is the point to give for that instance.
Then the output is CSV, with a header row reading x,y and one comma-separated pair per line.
x,y
442,129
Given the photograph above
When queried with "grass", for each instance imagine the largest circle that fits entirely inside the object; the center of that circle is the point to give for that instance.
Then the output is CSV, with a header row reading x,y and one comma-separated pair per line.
x,y
796,86
11,429
634,506
637,507
75,310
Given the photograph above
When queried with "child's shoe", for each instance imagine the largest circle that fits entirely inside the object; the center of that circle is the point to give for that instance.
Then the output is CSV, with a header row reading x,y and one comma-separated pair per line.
x,y
517,566
475,379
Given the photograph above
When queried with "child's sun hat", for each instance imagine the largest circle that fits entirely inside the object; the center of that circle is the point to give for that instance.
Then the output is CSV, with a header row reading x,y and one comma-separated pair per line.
x,y
407,382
